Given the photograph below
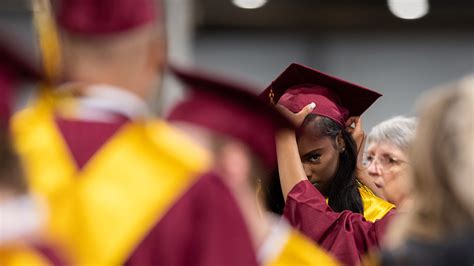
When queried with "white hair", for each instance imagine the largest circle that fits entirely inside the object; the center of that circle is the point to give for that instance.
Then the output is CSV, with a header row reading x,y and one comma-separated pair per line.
x,y
398,131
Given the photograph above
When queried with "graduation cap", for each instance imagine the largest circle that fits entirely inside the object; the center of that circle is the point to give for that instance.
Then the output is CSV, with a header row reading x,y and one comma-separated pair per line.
x,y
230,109
14,67
99,17
335,98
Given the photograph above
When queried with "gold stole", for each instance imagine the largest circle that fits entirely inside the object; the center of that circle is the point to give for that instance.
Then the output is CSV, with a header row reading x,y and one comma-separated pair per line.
x,y
375,208
20,255
301,251
102,212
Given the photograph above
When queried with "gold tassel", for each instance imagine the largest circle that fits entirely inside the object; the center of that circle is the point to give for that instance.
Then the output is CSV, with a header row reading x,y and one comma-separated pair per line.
x,y
48,38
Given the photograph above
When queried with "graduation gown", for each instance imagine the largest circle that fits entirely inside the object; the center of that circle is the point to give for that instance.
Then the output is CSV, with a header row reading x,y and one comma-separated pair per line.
x,y
20,254
134,193
346,235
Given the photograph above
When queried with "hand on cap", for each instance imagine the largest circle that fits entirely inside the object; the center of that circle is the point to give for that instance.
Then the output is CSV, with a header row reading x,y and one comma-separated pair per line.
x,y
298,118
354,127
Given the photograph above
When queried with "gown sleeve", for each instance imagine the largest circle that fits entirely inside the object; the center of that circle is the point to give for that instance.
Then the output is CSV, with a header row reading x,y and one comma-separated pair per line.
x,y
346,235
203,228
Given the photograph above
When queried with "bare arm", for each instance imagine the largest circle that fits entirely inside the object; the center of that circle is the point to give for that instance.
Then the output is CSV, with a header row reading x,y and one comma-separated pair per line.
x,y
290,167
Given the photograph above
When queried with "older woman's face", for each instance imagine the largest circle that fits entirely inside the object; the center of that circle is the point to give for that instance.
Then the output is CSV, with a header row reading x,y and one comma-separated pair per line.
x,y
389,168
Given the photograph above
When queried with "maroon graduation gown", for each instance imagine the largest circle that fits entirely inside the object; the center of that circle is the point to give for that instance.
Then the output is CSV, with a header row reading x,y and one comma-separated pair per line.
x,y
50,253
346,235
204,227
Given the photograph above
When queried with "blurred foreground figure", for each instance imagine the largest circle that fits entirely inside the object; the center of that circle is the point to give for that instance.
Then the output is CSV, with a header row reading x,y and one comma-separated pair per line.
x,y
122,187
438,229
240,130
21,215
387,157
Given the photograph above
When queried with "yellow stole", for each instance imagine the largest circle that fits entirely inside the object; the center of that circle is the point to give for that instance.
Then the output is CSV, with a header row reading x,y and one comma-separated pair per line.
x,y
375,208
102,212
20,255
300,251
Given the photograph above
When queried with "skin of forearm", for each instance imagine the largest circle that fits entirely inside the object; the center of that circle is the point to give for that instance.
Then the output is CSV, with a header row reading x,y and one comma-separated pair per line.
x,y
290,167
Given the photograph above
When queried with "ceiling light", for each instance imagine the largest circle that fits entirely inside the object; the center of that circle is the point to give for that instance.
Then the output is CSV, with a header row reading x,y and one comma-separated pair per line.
x,y
249,4
408,9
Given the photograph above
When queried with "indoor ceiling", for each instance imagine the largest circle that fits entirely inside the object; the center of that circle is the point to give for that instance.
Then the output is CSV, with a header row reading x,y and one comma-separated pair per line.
x,y
326,15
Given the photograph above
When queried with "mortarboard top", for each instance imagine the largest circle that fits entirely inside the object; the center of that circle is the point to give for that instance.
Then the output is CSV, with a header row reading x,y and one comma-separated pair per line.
x,y
14,67
230,109
335,98
102,17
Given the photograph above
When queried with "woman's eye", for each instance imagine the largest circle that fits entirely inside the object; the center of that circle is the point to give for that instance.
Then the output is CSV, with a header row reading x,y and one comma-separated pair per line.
x,y
392,160
314,158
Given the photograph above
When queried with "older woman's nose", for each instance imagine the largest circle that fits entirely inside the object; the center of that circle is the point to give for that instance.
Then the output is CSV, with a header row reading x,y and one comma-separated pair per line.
x,y
374,169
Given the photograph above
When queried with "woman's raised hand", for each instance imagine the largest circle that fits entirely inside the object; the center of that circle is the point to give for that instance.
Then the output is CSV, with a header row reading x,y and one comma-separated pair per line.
x,y
298,118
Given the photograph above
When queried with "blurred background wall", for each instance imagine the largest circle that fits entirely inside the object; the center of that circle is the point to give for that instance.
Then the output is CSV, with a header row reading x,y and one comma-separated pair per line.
x,y
397,47
362,41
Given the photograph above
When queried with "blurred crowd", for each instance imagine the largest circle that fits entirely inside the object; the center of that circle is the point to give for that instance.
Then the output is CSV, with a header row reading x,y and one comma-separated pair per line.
x,y
90,175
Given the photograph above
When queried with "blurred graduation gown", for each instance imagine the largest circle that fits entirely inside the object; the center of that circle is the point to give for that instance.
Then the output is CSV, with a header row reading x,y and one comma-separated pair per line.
x,y
130,191
29,254
231,109
346,235
16,68
124,188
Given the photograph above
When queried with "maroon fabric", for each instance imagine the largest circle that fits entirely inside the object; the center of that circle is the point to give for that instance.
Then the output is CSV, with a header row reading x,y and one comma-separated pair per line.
x,y
203,228
231,109
92,17
345,235
335,98
85,138
51,253
5,97
327,102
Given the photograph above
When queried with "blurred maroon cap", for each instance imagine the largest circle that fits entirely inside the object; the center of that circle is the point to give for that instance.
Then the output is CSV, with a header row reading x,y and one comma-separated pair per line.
x,y
230,109
101,17
335,98
14,67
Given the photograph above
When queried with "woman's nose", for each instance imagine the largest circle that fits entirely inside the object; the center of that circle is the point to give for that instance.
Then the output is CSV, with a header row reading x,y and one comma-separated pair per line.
x,y
307,171
374,169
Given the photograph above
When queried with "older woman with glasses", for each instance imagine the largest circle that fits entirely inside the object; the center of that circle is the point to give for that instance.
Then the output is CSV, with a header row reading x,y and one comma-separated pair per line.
x,y
387,157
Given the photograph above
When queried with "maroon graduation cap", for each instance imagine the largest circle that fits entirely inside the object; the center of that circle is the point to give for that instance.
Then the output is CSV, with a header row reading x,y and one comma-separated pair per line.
x,y
99,17
335,98
14,67
230,109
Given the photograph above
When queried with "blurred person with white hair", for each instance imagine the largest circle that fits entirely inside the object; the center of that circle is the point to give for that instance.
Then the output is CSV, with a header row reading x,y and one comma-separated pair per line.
x,y
438,228
386,158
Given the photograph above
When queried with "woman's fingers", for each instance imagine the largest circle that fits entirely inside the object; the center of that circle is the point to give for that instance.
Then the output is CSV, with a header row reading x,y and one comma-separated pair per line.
x,y
299,117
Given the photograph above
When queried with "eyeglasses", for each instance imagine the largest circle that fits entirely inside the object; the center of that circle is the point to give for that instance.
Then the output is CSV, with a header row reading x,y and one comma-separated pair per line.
x,y
385,161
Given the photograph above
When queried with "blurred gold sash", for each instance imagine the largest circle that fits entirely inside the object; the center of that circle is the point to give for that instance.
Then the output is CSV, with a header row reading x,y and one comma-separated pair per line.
x,y
102,212
20,255
298,250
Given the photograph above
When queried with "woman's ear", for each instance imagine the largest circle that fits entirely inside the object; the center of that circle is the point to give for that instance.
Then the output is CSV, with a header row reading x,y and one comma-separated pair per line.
x,y
340,143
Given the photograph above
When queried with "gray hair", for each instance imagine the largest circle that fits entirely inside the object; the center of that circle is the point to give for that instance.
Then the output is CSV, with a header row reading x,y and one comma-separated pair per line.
x,y
398,131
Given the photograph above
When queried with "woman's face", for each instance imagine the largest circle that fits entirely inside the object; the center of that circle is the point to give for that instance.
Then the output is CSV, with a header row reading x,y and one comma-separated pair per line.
x,y
389,168
319,156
